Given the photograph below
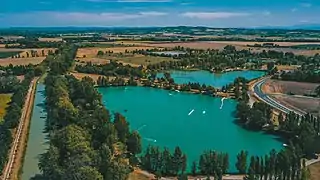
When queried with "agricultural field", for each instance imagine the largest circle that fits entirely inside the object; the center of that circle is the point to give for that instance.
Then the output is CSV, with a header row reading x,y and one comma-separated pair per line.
x,y
141,59
285,87
21,61
314,171
92,52
9,54
50,39
4,100
306,104
93,60
82,75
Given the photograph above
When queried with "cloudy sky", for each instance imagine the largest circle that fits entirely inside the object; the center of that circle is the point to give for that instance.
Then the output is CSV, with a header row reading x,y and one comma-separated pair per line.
x,y
213,13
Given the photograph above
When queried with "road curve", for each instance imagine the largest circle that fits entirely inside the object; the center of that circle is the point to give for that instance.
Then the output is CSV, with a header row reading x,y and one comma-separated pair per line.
x,y
257,91
15,145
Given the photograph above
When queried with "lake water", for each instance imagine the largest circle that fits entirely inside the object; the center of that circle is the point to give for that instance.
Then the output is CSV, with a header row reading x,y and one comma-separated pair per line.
x,y
37,138
215,80
162,119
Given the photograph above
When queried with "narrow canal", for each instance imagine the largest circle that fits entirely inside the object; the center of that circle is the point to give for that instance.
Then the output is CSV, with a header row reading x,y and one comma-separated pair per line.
x,y
37,138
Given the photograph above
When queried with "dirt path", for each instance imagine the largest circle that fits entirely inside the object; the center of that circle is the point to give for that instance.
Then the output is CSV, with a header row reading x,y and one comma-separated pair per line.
x,y
11,171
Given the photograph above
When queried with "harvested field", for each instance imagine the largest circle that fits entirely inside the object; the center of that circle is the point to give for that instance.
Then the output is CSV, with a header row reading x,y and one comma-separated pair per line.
x,y
306,104
221,44
194,45
21,61
93,60
315,171
50,39
287,67
286,87
82,75
4,100
138,176
144,43
244,43
92,52
141,59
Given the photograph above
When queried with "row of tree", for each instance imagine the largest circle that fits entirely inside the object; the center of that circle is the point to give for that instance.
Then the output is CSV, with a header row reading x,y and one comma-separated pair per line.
x,y
84,141
230,57
12,117
283,165
111,69
16,70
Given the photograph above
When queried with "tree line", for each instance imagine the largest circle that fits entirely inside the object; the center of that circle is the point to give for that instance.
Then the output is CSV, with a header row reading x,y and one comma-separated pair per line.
x,y
283,165
111,69
84,141
12,117
230,57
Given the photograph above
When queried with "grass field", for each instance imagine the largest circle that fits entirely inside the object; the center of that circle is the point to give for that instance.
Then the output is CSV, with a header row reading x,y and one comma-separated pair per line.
x,y
141,59
315,171
92,52
50,39
8,54
21,61
93,60
4,100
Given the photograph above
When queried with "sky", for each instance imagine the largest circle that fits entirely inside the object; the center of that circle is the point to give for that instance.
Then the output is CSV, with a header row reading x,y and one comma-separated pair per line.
x,y
145,13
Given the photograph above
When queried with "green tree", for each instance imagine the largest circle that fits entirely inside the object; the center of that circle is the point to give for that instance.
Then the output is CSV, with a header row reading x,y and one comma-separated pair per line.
x,y
100,53
194,168
122,127
241,163
134,143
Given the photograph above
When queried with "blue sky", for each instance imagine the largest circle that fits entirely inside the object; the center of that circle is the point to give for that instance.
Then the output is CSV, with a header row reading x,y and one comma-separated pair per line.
x,y
213,13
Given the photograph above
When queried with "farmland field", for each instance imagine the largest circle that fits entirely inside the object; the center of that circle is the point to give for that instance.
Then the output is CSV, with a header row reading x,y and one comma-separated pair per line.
x,y
4,100
286,87
92,52
141,59
21,61
50,39
93,60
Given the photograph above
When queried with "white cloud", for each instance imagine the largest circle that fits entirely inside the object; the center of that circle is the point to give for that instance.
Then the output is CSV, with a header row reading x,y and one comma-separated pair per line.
x,y
186,3
213,15
266,13
144,1
130,1
307,5
304,21
294,9
153,13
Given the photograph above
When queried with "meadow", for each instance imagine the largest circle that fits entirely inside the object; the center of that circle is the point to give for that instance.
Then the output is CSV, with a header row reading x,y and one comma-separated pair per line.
x,y
4,100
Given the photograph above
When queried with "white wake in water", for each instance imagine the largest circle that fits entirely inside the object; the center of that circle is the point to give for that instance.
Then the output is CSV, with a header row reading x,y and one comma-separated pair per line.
x,y
191,112
150,140
140,128
222,102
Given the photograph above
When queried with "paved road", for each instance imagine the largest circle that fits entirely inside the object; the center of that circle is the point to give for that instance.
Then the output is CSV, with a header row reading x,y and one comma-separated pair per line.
x,y
257,90
15,145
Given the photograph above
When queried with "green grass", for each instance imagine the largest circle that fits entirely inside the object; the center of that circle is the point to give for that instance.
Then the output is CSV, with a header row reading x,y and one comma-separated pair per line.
x,y
9,54
4,100
141,60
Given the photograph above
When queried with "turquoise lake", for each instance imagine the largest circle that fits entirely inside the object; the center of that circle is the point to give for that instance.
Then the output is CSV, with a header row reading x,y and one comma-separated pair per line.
x,y
37,143
213,79
162,118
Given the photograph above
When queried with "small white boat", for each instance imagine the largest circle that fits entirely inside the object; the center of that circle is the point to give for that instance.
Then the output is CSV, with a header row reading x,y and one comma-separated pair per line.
x,y
176,90
203,112
285,145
